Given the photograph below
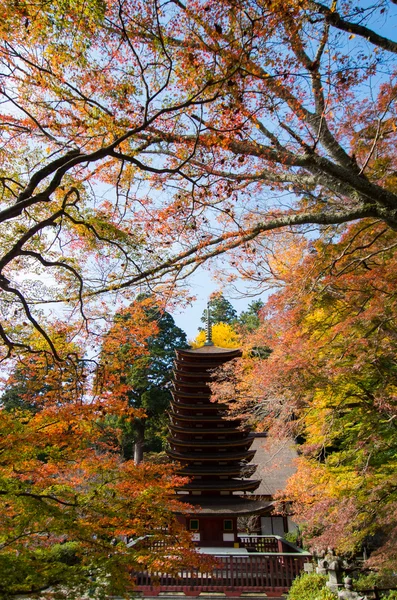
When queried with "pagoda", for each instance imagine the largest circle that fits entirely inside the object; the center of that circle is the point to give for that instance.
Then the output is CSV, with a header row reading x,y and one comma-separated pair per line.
x,y
210,448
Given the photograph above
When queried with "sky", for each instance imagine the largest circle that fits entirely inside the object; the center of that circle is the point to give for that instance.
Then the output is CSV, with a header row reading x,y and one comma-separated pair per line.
x,y
202,285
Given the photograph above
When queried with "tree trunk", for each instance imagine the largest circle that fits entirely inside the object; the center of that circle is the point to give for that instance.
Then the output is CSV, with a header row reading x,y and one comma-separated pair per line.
x,y
139,441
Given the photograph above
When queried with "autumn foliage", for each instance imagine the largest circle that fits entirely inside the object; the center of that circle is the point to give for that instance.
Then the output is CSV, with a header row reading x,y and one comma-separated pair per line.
x,y
62,488
223,335
139,141
330,383
69,504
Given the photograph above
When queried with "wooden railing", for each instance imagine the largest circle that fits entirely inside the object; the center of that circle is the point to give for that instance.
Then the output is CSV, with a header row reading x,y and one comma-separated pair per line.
x,y
260,543
253,543
258,572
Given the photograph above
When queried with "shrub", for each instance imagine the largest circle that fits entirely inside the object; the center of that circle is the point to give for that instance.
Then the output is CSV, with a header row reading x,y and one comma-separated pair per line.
x,y
292,536
365,581
309,586
325,594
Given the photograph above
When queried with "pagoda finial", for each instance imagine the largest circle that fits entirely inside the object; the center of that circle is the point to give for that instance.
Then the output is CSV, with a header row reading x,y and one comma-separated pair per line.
x,y
208,341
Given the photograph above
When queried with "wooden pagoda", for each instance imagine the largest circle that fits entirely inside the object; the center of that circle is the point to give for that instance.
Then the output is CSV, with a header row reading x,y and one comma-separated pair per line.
x,y
213,451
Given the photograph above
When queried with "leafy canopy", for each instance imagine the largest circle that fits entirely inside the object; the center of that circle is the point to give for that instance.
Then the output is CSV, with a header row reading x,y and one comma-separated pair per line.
x,y
223,335
68,502
331,382
139,141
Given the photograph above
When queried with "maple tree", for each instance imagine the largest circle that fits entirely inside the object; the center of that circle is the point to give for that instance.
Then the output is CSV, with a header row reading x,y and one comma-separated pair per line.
x,y
140,140
37,379
330,383
69,503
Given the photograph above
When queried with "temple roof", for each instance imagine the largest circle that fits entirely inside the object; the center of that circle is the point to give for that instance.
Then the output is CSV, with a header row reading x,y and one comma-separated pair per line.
x,y
196,396
229,506
206,418
211,457
198,407
276,463
210,350
229,431
204,443
229,484
191,384
209,469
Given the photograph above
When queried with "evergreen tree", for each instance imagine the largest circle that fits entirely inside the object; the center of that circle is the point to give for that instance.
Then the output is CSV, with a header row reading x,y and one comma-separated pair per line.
x,y
249,319
148,381
222,311
13,397
248,322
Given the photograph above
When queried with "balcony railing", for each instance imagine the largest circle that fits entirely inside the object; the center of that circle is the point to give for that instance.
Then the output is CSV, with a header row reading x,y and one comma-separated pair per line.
x,y
233,574
260,543
270,565
266,543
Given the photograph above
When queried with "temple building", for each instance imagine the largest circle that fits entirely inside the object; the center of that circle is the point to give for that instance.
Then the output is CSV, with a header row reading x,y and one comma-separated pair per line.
x,y
218,456
212,450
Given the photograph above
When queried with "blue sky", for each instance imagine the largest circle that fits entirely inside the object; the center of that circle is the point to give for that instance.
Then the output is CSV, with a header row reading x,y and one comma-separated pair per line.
x,y
202,285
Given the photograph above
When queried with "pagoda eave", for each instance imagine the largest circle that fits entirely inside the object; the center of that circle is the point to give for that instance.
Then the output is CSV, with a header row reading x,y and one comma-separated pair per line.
x,y
211,443
205,430
209,470
231,485
222,506
206,418
199,405
196,457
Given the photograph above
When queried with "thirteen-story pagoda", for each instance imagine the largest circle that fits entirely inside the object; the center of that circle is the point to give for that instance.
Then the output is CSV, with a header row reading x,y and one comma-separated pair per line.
x,y
211,449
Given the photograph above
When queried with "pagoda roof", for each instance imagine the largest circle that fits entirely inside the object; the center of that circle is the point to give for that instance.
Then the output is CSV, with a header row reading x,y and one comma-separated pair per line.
x,y
238,485
190,361
209,470
248,439
206,418
207,430
209,350
197,366
197,407
219,505
197,396
191,384
197,378
211,457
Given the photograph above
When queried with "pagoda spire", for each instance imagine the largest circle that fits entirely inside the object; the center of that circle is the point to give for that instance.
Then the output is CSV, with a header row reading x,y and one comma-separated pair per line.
x,y
208,340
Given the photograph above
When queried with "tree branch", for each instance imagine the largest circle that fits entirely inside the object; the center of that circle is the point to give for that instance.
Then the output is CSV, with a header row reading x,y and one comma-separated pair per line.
x,y
335,19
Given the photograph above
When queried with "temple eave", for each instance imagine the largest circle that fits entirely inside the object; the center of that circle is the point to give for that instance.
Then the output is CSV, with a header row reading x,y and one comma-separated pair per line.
x,y
206,418
209,470
207,430
211,443
228,457
231,485
223,506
